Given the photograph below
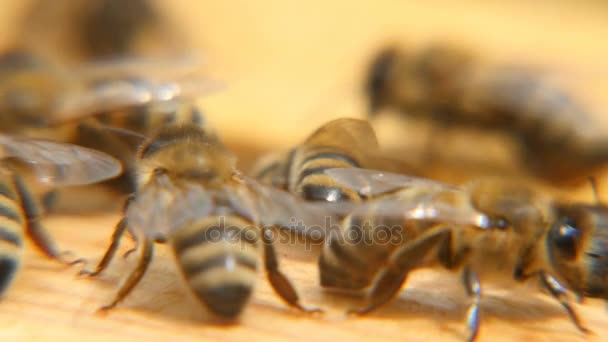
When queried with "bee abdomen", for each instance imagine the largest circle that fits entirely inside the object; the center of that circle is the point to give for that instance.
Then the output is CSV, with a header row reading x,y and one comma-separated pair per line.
x,y
11,236
218,257
347,263
352,258
313,184
341,273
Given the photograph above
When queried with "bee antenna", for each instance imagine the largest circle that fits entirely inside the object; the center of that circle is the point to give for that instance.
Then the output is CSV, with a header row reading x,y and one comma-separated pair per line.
x,y
593,183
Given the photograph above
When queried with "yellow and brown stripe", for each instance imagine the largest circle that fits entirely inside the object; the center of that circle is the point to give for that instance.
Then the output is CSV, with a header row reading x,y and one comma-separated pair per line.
x,y
307,176
353,256
12,221
218,256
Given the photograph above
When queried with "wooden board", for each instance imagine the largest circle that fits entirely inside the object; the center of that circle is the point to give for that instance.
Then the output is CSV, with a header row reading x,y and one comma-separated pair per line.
x,y
290,66
49,302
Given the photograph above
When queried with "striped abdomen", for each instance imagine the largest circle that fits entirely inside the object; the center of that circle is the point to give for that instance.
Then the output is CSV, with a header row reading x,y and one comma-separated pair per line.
x,y
358,251
12,222
308,179
218,256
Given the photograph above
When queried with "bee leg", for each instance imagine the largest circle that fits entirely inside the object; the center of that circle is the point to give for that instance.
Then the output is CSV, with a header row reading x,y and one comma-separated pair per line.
x,y
119,231
135,248
280,283
390,279
135,276
473,288
34,229
558,292
554,287
158,239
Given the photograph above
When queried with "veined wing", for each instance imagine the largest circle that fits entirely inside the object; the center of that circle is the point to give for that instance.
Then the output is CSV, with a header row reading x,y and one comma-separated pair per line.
x,y
373,182
129,82
270,206
58,163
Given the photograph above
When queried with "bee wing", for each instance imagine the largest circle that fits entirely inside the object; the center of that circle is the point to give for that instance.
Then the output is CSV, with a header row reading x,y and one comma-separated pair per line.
x,y
141,66
270,206
122,93
123,83
348,133
161,207
373,182
428,207
58,163
431,204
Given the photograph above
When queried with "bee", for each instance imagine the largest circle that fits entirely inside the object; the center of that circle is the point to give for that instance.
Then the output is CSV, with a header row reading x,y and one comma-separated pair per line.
x,y
449,86
43,100
487,230
53,163
191,196
97,30
341,143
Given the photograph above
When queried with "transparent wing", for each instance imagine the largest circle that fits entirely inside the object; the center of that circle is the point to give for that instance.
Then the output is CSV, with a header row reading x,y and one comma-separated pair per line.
x,y
156,68
373,182
355,135
129,82
58,163
114,94
161,207
408,197
435,207
270,206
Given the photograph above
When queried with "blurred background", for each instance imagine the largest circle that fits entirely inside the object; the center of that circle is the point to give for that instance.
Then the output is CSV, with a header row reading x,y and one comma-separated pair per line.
x,y
290,66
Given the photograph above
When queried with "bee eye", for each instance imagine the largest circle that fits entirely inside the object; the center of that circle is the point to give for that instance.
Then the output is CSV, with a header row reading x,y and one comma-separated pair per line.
x,y
566,240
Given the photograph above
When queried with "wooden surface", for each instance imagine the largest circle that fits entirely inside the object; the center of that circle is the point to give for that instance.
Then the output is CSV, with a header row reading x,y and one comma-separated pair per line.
x,y
290,66
48,302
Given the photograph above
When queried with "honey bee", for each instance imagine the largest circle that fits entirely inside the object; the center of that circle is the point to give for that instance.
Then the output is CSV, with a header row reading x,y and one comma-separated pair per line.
x,y
53,163
449,86
487,230
341,143
42,100
190,195
99,29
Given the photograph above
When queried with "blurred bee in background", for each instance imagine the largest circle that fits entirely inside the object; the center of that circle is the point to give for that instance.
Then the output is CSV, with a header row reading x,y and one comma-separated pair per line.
x,y
39,99
489,230
98,29
451,87
190,195
53,163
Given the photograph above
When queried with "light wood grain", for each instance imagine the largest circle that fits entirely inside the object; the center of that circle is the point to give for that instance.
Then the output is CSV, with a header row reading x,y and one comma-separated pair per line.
x,y
49,302
290,66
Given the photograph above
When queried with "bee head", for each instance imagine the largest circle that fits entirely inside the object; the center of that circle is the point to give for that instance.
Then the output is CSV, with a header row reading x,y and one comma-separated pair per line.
x,y
378,77
577,244
186,153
